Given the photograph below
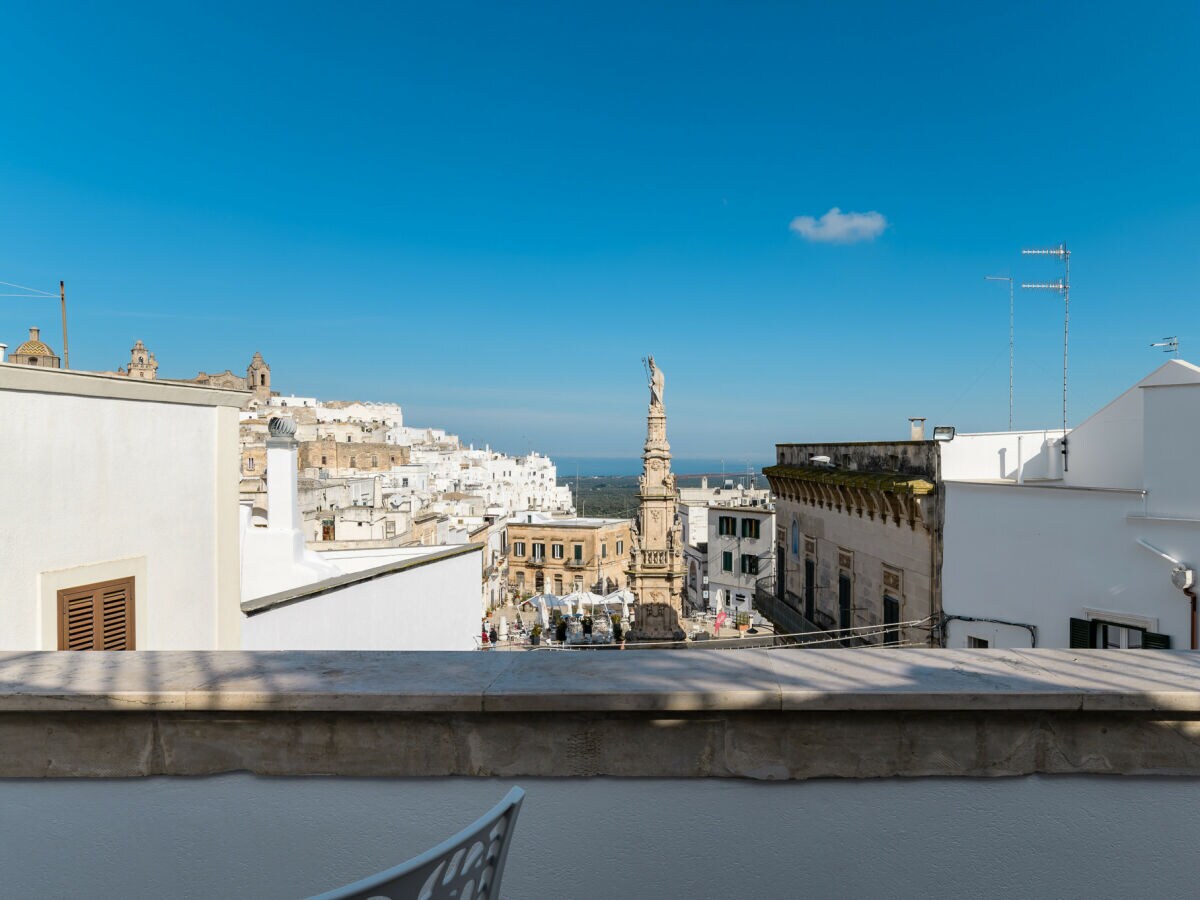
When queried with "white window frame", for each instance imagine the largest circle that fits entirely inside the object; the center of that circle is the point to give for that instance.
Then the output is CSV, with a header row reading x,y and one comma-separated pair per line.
x,y
1126,619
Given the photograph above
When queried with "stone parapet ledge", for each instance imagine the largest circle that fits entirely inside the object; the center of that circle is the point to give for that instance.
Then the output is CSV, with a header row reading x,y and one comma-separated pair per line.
x,y
767,714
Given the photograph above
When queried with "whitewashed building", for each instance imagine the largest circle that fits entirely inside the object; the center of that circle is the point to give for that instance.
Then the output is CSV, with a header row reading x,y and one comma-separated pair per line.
x,y
694,517
121,525
1096,555
740,541
357,598
1001,539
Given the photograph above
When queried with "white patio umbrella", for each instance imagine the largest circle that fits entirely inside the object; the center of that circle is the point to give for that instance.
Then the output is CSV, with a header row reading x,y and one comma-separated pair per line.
x,y
584,599
624,596
553,601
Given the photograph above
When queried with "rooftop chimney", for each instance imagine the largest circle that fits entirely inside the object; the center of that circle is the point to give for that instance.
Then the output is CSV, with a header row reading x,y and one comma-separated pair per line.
x,y
917,428
283,501
33,334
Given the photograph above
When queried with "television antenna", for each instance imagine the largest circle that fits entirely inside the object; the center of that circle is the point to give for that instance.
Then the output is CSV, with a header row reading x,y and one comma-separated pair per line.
x,y
1009,279
1168,344
1062,286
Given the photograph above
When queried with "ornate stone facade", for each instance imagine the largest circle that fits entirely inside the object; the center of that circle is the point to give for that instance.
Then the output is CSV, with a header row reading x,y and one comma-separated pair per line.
x,y
656,570
142,363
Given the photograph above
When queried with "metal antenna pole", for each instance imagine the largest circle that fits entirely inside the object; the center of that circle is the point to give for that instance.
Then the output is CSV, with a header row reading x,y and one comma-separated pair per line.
x,y
62,296
1009,279
1063,286
1066,257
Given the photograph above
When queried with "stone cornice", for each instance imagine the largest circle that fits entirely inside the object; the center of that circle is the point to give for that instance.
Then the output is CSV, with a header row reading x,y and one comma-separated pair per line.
x,y
882,495
892,482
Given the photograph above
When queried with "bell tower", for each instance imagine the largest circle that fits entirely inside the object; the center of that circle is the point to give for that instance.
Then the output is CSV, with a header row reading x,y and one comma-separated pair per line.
x,y
142,363
258,378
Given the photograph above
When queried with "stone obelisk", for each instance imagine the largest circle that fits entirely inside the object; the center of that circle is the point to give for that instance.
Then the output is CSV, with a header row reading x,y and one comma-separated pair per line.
x,y
656,568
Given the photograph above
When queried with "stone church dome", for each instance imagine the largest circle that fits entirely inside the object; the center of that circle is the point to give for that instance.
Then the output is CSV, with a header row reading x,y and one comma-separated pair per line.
x,y
33,346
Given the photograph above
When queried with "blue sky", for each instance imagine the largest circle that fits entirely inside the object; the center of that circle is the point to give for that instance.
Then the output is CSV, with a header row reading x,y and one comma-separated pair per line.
x,y
489,213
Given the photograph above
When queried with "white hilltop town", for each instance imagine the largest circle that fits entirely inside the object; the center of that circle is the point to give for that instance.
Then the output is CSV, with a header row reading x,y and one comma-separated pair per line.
x,y
214,512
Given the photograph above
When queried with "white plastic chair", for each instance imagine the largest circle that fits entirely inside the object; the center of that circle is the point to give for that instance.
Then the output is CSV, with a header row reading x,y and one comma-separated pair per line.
x,y
467,866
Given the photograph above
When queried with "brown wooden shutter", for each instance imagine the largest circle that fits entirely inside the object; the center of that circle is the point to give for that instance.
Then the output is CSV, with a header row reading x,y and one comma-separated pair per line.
x,y
97,616
77,621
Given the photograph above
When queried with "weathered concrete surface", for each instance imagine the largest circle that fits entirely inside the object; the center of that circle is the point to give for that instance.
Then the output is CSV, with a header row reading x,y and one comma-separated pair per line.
x,y
764,714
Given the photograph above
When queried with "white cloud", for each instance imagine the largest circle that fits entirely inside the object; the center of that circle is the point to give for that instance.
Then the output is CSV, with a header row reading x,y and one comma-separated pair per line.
x,y
837,227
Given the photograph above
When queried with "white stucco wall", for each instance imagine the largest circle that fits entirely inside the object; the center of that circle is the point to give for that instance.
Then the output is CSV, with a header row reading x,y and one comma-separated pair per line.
x,y
1106,448
1172,435
102,487
996,455
427,607
582,838
1041,555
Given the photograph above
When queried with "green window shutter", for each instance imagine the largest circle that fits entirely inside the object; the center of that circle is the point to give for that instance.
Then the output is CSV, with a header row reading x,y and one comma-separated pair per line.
x,y
1081,634
1152,641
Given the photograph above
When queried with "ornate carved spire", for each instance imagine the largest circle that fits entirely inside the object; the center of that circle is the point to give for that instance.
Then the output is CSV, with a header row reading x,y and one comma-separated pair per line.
x,y
656,569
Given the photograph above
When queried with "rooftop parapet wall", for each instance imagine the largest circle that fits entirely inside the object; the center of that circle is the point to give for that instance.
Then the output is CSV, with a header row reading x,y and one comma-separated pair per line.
x,y
904,457
763,714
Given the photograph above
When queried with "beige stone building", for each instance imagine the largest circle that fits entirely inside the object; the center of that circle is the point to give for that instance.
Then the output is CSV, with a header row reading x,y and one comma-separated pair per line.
x,y
558,556
34,352
858,540
339,458
257,380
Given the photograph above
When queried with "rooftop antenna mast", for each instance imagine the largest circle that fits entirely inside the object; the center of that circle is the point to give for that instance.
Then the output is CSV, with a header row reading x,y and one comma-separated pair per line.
x,y
1169,345
1063,286
1009,279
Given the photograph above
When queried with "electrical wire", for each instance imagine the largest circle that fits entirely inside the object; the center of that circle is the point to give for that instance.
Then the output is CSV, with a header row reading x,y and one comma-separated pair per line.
x,y
24,288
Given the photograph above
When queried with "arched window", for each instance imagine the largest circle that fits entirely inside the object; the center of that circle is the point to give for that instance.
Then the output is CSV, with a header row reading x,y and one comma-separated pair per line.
x,y
795,538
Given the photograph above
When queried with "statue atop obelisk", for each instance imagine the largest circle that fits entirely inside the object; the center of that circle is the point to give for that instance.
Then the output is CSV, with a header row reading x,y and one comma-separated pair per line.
x,y
656,568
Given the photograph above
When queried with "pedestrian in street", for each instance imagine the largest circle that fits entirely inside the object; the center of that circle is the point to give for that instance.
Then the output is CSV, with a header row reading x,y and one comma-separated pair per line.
x,y
492,634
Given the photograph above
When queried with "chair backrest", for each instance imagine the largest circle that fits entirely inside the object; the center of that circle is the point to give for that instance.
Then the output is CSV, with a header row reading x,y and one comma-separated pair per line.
x,y
467,866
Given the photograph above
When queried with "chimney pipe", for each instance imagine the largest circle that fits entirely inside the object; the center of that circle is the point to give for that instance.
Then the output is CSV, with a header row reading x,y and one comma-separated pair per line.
x,y
916,426
283,501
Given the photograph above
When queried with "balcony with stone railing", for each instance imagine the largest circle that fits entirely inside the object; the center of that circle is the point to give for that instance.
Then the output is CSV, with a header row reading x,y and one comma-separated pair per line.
x,y
649,774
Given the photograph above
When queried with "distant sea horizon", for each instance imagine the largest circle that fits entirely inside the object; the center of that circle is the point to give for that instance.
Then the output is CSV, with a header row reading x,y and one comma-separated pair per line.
x,y
623,465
